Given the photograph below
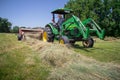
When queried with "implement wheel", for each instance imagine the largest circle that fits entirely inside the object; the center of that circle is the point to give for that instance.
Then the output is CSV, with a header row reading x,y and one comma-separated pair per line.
x,y
20,37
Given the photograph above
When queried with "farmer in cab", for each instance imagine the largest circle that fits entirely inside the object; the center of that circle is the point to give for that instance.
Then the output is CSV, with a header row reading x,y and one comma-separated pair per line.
x,y
60,21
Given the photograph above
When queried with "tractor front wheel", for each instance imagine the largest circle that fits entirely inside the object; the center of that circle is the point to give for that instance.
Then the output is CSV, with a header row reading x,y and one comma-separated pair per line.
x,y
64,40
88,43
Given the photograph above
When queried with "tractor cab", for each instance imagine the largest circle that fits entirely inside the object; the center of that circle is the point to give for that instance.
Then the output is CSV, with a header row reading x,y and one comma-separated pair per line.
x,y
61,11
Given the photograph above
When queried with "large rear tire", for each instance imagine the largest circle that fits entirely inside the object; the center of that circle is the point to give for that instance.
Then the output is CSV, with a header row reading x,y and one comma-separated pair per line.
x,y
88,43
64,40
48,35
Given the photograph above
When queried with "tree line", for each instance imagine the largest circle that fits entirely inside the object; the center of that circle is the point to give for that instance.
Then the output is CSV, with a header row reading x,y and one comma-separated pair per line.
x,y
5,26
105,12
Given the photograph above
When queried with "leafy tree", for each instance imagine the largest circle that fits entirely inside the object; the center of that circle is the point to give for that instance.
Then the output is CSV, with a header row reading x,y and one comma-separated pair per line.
x,y
116,16
82,8
15,29
105,12
5,25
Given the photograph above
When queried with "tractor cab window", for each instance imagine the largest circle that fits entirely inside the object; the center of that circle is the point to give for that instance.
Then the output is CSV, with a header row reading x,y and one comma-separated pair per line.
x,y
60,20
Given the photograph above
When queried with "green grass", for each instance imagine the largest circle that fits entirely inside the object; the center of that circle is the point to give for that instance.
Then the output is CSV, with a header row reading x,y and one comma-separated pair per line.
x,y
19,62
35,60
105,51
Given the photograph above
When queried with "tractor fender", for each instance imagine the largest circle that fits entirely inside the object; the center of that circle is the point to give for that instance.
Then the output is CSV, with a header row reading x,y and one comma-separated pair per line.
x,y
54,30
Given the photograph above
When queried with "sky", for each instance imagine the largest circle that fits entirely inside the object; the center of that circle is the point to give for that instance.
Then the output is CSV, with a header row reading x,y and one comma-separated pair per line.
x,y
29,13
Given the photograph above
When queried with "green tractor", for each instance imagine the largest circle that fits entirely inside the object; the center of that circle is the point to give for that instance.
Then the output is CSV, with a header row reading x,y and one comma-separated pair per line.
x,y
72,30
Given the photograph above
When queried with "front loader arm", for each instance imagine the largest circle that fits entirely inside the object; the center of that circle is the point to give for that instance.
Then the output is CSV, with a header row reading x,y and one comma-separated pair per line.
x,y
84,31
94,27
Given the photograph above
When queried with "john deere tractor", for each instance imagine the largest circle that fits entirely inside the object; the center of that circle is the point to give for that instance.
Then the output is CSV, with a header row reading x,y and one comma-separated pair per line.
x,y
73,29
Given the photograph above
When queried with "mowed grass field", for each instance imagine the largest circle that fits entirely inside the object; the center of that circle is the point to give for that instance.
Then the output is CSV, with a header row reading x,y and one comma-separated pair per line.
x,y
18,61
36,60
107,50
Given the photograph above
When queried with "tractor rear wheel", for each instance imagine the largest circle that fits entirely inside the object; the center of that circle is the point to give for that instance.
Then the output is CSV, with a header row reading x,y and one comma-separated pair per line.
x,y
64,40
48,35
88,43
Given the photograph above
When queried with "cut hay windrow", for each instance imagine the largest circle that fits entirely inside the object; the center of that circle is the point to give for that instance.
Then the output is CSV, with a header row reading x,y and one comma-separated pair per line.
x,y
69,65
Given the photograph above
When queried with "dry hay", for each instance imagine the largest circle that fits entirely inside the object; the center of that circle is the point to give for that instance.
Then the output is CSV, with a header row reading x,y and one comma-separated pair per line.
x,y
72,66
68,65
36,35
110,38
